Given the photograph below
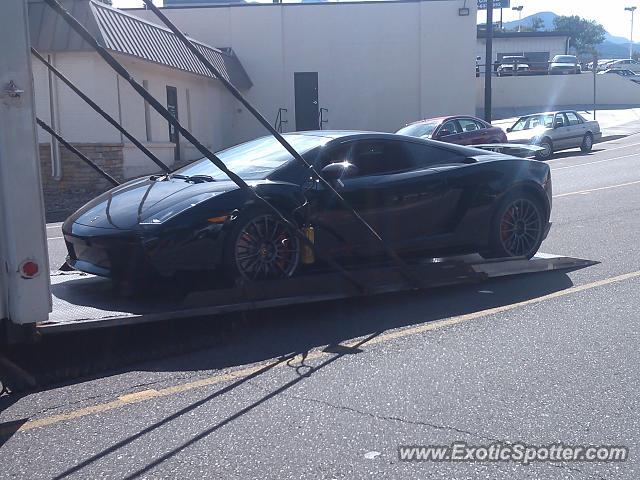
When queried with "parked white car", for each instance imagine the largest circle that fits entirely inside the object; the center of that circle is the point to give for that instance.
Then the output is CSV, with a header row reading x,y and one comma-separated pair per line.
x,y
564,64
554,131
619,71
513,65
628,64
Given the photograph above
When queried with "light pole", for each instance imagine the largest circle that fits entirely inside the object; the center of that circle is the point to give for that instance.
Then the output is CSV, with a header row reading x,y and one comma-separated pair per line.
x,y
632,10
519,10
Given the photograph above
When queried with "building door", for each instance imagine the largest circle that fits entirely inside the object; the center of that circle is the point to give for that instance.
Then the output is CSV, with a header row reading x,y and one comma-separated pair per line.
x,y
172,106
306,92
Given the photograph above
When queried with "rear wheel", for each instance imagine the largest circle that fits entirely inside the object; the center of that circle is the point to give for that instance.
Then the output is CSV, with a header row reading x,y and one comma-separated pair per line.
x,y
517,227
261,247
587,143
547,150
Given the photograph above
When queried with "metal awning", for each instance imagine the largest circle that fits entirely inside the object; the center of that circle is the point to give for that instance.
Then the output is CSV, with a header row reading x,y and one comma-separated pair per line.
x,y
126,34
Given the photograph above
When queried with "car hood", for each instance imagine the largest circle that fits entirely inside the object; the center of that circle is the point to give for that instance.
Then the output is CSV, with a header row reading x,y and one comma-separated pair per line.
x,y
568,65
524,136
129,204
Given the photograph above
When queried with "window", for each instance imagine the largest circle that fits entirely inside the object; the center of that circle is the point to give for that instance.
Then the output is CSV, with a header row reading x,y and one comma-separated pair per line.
x,y
450,128
429,156
189,125
527,123
423,129
560,121
255,159
377,157
468,125
147,116
481,126
573,118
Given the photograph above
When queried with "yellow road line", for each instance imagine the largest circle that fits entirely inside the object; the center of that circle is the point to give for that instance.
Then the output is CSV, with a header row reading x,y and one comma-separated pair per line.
x,y
146,395
584,192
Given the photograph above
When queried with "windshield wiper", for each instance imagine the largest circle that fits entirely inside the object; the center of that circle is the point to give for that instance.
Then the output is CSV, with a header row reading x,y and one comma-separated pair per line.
x,y
194,178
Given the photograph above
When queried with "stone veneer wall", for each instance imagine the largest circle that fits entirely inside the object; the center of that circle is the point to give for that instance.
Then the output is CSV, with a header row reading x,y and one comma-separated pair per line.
x,y
79,182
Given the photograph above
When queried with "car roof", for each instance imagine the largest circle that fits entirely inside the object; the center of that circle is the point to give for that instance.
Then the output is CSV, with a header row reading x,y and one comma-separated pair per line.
x,y
344,135
443,119
548,113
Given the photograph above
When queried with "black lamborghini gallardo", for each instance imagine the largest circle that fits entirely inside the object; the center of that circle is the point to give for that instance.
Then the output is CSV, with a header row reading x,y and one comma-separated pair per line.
x,y
423,197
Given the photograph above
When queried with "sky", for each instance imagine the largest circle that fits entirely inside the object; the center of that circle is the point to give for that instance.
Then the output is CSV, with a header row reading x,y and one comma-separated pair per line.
x,y
609,13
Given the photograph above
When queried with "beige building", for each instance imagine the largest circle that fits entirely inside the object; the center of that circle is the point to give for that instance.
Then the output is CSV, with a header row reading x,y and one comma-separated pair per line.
x,y
378,65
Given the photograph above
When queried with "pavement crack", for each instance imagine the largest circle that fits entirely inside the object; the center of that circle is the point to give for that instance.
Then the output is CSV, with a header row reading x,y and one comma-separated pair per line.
x,y
387,418
421,423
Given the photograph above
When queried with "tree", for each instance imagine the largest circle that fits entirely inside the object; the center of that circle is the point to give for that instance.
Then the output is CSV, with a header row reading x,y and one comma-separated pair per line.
x,y
585,34
536,24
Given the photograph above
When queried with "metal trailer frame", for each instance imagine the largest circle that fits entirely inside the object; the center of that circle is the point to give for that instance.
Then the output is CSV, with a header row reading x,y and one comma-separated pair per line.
x,y
24,299
82,301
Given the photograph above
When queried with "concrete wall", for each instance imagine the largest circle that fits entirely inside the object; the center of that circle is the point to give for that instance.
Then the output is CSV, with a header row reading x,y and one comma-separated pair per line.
x,y
380,64
515,94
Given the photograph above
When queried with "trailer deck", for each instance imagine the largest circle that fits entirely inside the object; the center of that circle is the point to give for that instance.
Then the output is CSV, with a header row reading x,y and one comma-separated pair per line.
x,y
82,301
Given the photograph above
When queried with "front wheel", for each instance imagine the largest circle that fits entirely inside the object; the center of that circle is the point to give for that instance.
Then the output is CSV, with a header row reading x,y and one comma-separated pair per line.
x,y
517,227
261,246
547,150
587,143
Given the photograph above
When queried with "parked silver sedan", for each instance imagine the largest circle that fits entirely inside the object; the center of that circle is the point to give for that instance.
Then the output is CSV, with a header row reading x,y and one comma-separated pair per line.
x,y
554,131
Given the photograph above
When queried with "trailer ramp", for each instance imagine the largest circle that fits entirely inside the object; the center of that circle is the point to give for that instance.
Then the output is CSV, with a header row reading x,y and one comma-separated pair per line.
x,y
82,301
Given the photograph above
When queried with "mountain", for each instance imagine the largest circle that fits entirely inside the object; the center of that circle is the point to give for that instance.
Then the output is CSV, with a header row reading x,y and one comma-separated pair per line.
x,y
547,18
612,47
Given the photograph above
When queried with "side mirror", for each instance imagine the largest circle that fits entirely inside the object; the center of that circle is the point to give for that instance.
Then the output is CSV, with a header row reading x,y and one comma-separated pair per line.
x,y
509,129
558,125
444,133
339,171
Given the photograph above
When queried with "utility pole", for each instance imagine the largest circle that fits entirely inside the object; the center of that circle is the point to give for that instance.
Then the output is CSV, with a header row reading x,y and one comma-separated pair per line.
x,y
488,69
632,10
595,76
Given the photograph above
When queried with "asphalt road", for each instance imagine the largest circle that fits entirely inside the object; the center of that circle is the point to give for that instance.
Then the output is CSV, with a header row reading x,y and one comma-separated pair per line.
x,y
330,391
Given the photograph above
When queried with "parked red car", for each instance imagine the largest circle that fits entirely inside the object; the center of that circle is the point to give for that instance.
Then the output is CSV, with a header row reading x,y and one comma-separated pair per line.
x,y
461,130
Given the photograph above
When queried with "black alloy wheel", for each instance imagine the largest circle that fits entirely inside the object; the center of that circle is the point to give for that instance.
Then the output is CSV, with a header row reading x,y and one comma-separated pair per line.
x,y
520,227
265,248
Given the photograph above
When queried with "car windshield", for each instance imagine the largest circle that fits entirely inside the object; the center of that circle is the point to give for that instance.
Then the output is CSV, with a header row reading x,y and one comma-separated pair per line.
x,y
254,160
564,59
424,129
533,121
514,59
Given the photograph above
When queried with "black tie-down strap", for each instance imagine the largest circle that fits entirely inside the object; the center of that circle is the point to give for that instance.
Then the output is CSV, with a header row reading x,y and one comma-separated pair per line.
x,y
77,152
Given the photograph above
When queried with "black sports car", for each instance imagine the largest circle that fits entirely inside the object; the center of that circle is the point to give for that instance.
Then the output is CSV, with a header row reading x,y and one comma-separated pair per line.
x,y
421,196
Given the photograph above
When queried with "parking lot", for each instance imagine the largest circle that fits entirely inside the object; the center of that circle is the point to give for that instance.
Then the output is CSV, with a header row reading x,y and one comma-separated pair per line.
x,y
332,390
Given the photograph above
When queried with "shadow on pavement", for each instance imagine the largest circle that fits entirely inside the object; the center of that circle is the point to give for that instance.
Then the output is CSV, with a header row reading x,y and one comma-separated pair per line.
x,y
277,336
233,340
